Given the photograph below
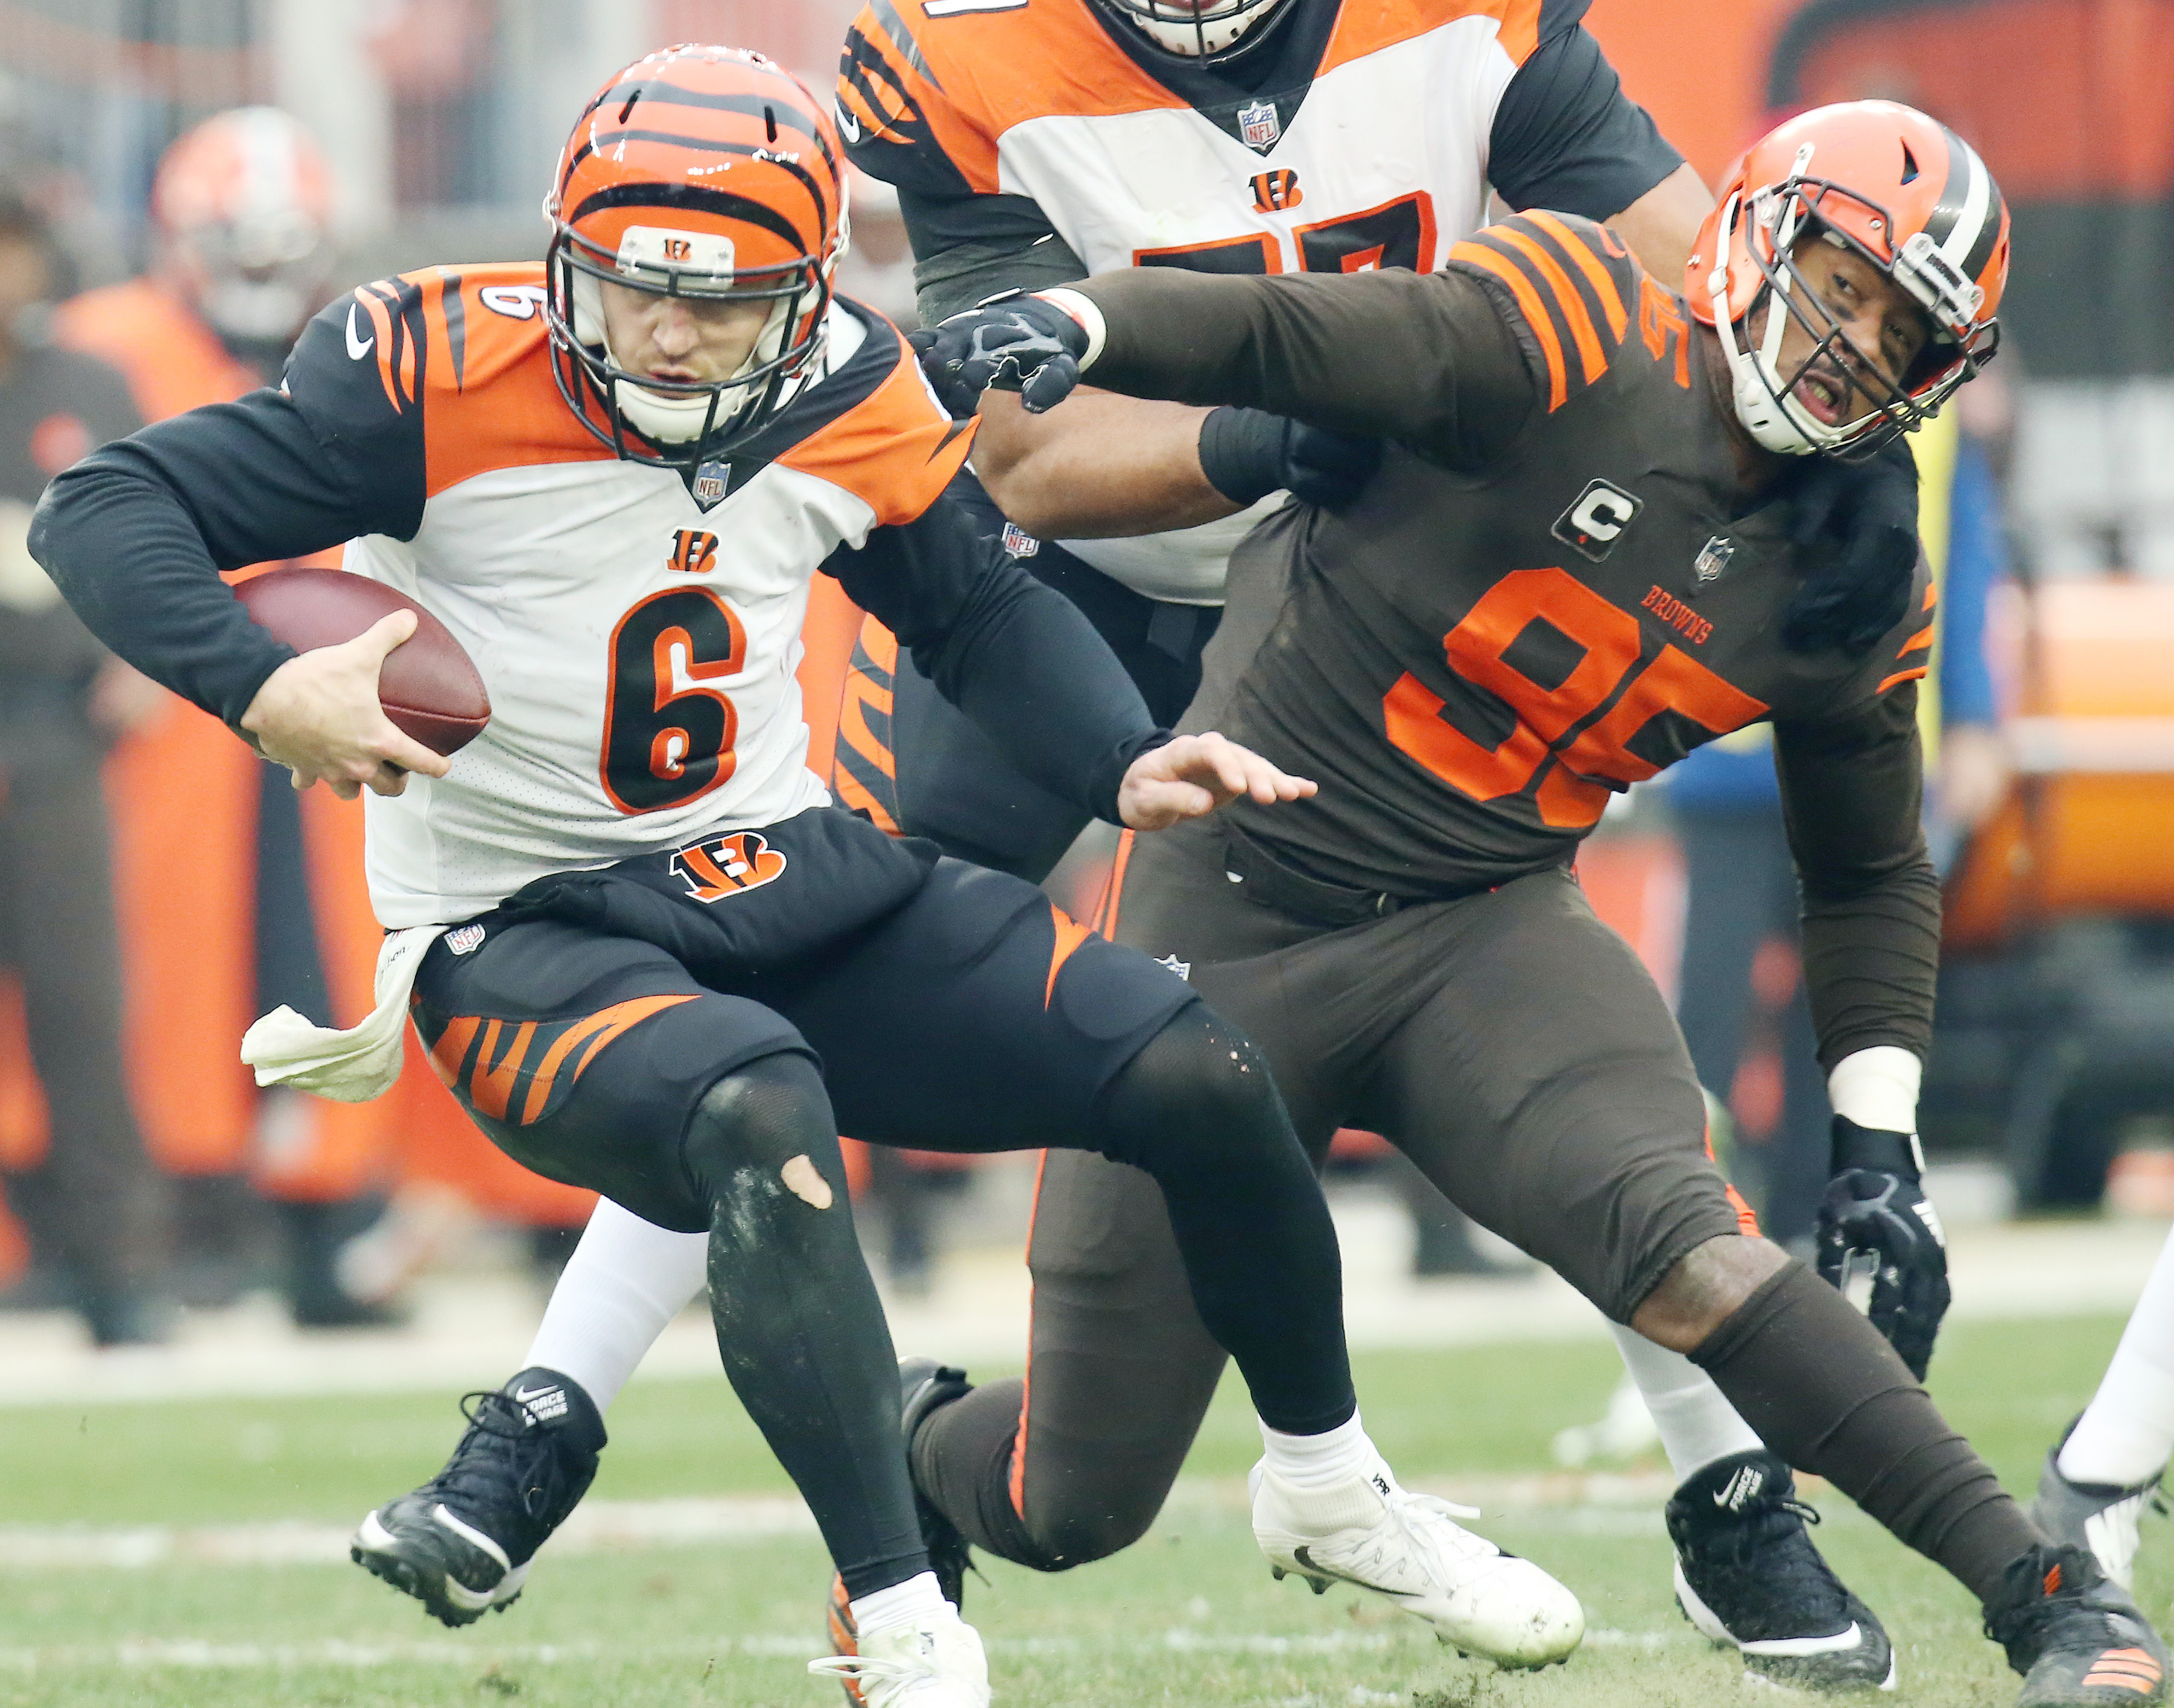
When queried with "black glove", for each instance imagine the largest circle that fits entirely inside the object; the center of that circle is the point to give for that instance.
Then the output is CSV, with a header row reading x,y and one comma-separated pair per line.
x,y
1857,525
1013,342
1247,454
1875,1208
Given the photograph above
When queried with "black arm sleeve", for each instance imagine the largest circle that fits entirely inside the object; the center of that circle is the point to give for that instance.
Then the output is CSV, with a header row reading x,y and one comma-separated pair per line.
x,y
1566,137
1425,359
1851,790
1014,655
135,535
951,281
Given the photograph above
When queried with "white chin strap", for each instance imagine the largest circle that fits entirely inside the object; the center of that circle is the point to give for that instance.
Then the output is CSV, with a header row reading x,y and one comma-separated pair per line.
x,y
1217,28
1771,412
660,417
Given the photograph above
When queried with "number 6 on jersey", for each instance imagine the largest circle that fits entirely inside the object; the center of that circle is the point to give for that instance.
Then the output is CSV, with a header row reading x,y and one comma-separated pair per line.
x,y
668,727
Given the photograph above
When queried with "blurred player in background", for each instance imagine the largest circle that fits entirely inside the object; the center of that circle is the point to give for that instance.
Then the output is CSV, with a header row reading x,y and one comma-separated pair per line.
x,y
238,895
93,1204
2105,1469
1032,144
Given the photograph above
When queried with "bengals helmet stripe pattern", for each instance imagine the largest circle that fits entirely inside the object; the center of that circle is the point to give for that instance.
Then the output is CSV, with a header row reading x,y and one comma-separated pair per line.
x,y
669,110
1570,282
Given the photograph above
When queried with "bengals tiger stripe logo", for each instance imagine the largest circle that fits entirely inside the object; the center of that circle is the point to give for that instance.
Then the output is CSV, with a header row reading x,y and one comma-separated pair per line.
x,y
694,553
727,865
1275,191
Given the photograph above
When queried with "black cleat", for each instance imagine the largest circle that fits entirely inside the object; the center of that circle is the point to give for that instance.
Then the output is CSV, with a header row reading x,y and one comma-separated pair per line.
x,y
2100,1517
2074,1634
462,1543
923,1386
1748,1577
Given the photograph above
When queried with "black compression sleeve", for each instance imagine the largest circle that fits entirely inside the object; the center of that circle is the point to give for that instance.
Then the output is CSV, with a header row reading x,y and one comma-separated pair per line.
x,y
135,534
1016,657
1566,137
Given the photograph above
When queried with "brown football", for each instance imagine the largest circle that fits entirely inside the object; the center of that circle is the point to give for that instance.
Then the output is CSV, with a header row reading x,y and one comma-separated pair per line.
x,y
430,686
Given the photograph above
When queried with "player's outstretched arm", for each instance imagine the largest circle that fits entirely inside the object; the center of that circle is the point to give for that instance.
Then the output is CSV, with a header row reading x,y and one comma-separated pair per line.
x,y
1851,788
1194,775
1428,360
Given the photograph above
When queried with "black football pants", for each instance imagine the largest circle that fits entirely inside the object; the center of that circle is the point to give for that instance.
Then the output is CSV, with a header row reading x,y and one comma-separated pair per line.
x,y
975,1018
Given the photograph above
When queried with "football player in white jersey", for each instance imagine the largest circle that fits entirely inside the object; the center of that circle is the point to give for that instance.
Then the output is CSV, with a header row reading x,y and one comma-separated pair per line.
x,y
646,953
1035,141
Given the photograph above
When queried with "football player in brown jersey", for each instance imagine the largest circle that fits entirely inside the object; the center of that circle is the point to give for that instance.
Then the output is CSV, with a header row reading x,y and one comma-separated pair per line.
x,y
1570,569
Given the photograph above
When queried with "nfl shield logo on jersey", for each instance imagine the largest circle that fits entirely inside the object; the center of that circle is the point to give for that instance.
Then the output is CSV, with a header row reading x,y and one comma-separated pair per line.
x,y
711,480
1259,126
1712,559
1019,542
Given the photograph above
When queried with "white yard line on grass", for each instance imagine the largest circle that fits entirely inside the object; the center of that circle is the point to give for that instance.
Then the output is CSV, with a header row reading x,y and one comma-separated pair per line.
x,y
1586,1502
206,1654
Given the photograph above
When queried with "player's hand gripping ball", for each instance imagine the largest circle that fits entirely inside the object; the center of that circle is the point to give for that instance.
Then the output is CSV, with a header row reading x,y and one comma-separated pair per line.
x,y
381,688
1013,341
1876,1210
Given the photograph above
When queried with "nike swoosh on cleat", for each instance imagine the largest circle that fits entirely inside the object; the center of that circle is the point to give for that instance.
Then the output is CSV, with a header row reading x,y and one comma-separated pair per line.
x,y
357,348
1782,1648
524,1396
1305,1558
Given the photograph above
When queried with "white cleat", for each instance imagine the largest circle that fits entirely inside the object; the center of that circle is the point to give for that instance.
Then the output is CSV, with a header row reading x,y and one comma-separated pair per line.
x,y
934,1664
1409,1549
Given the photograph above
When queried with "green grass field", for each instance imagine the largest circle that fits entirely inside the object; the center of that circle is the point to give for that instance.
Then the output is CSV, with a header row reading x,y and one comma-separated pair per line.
x,y
1189,1616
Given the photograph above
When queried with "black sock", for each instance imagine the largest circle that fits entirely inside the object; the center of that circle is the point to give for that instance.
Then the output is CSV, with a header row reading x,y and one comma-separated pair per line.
x,y
1196,1109
1820,1386
799,1325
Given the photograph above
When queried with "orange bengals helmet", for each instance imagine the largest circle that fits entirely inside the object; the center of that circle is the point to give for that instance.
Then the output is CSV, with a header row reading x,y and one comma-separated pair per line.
x,y
1900,190
703,172
243,205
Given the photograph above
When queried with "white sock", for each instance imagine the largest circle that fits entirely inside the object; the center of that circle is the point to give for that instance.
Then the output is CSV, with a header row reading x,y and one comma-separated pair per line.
x,y
909,1603
1697,1425
2127,1432
1320,1462
626,1279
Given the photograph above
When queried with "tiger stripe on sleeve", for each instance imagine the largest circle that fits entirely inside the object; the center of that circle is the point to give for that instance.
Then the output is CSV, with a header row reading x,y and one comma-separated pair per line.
x,y
1913,658
899,123
1570,285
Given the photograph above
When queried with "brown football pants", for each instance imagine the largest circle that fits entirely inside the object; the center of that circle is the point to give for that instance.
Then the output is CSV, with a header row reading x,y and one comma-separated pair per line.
x,y
1508,1042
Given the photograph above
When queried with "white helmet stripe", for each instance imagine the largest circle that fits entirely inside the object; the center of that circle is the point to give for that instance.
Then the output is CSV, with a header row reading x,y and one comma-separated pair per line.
x,y
1968,218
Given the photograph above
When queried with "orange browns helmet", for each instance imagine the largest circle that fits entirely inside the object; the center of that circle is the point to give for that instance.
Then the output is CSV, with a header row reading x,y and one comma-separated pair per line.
x,y
1902,190
243,205
704,172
